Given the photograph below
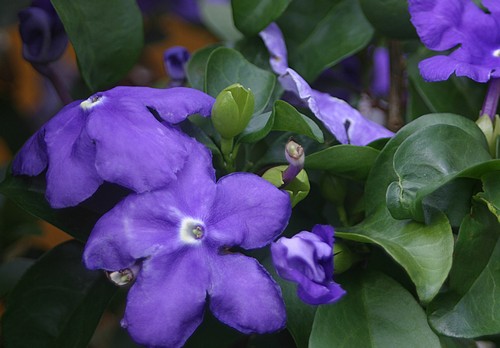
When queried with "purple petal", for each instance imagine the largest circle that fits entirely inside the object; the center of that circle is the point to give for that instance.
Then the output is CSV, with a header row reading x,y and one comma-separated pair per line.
x,y
166,304
381,72
248,211
317,294
492,5
244,296
273,39
71,174
32,158
172,105
175,59
441,24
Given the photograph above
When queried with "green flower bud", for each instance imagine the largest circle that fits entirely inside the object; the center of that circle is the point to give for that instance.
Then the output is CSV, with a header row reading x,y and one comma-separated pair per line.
x,y
343,257
232,110
491,131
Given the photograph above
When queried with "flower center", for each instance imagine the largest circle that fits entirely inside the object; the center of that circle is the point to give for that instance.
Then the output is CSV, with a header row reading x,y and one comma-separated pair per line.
x,y
121,277
91,102
191,231
496,53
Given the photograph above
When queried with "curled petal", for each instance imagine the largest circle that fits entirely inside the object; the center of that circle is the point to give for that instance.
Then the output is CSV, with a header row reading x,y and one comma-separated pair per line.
x,y
167,301
244,296
248,211
32,158
273,39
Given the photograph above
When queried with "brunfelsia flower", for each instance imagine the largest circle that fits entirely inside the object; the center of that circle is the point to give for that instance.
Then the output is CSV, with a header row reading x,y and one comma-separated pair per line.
x,y
181,236
307,259
464,27
342,120
124,136
42,33
175,59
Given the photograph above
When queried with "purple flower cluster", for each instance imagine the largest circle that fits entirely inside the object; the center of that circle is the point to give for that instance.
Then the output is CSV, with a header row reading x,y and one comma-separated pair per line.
x,y
179,226
342,120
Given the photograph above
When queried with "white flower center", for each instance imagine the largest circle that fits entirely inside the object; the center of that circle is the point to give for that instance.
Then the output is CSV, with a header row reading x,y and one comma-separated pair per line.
x,y
91,102
496,53
191,231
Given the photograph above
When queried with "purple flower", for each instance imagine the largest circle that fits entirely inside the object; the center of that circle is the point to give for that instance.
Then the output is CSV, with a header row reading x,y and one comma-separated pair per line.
x,y
307,259
342,120
182,235
124,136
42,33
381,72
175,59
460,25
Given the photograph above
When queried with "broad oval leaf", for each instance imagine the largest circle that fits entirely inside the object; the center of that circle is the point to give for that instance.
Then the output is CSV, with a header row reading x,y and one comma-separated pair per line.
x,y
376,312
288,119
197,66
226,66
349,161
320,33
57,303
103,59
252,16
471,306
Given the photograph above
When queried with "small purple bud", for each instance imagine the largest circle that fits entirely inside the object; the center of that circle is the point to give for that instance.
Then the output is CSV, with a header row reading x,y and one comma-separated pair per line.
x,y
294,154
174,60
43,35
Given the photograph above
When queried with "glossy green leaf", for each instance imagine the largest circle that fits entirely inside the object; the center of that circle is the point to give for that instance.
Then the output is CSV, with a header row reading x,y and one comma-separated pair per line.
x,y
252,16
424,251
390,17
491,192
218,17
349,161
29,194
376,312
103,59
258,127
226,66
450,153
57,303
288,119
456,95
471,305
197,66
320,33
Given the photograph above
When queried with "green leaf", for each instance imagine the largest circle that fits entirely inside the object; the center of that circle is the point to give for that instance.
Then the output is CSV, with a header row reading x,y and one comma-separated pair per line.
x,y
320,33
471,306
349,161
218,17
197,66
258,127
29,194
57,303
376,312
226,66
491,194
252,16
288,119
298,189
107,37
455,95
450,153
424,251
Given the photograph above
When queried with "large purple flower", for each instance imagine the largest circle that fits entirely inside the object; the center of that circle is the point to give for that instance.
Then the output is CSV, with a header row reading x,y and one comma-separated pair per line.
x,y
181,237
342,120
123,136
307,259
460,25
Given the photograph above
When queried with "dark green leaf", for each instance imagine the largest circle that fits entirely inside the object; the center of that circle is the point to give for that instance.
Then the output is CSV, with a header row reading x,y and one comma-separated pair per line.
x,y
349,161
226,67
288,119
197,66
491,194
320,33
376,312
103,58
11,272
252,16
449,153
471,306
218,17
258,127
57,303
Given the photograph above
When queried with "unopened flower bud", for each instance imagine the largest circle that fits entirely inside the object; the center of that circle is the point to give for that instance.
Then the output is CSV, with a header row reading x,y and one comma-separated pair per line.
x,y
175,59
232,110
294,154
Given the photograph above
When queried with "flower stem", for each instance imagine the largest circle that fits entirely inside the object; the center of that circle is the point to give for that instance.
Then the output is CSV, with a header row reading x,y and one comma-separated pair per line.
x,y
397,88
491,100
60,87
228,153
